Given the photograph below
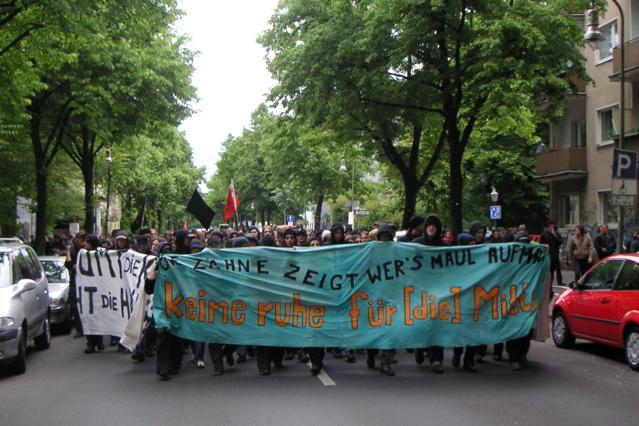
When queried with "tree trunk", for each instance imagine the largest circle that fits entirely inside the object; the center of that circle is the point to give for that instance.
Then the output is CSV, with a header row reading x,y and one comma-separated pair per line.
x,y
41,181
455,186
88,163
318,212
42,200
411,188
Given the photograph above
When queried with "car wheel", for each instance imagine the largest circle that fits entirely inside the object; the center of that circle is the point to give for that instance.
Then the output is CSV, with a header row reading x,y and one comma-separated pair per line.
x,y
43,340
561,334
631,347
19,365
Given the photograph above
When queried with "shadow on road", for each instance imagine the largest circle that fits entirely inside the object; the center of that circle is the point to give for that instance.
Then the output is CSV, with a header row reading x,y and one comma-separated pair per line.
x,y
603,351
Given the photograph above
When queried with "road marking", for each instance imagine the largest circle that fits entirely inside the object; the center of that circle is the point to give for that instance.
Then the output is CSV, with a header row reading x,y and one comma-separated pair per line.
x,y
324,378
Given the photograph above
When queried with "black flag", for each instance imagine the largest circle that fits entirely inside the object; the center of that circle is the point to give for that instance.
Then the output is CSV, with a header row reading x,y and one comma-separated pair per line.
x,y
198,208
139,219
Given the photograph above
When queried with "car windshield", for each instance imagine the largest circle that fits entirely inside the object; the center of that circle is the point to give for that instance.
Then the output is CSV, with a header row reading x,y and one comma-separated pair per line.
x,y
5,270
55,271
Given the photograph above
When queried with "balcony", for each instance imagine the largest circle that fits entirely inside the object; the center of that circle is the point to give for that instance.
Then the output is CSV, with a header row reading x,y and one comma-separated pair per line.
x,y
631,49
558,164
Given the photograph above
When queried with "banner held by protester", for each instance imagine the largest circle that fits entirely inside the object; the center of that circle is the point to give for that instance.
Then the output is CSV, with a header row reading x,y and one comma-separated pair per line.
x,y
375,295
108,285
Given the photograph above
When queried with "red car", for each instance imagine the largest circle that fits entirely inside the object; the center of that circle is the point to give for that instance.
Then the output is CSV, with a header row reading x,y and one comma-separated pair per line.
x,y
603,307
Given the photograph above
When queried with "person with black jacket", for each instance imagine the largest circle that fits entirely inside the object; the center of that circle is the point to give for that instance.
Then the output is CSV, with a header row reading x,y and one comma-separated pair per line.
x,y
432,237
552,238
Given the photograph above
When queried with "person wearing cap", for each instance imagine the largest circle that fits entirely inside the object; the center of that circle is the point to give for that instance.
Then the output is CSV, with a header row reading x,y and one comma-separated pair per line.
x,y
121,241
475,235
214,242
432,237
415,229
386,233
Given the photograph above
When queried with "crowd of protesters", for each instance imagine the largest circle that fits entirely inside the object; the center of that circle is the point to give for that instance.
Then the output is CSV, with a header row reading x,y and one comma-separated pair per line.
x,y
169,349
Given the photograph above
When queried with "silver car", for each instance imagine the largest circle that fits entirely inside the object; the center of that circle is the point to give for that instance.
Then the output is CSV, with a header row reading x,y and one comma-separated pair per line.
x,y
59,304
24,304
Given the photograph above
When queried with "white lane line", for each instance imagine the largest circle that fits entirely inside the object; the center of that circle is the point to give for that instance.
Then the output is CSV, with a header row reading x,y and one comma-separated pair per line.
x,y
324,378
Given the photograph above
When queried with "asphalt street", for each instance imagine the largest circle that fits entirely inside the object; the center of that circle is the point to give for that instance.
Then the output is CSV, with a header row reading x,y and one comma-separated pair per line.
x,y
589,385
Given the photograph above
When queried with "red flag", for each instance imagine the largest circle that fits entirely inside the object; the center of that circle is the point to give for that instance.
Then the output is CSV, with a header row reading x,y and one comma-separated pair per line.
x,y
232,203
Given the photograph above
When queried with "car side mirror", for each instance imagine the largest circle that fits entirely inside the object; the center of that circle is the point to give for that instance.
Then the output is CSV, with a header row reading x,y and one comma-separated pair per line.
x,y
23,286
574,285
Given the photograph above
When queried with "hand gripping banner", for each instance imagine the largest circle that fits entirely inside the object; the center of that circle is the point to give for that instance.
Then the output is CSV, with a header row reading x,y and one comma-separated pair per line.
x,y
373,295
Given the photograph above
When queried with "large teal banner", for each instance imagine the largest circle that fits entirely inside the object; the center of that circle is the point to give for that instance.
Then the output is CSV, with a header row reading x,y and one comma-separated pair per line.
x,y
373,295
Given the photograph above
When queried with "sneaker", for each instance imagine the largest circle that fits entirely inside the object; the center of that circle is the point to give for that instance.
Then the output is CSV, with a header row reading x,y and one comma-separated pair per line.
x,y
217,371
100,346
497,357
516,366
89,349
78,334
437,367
419,356
164,376
200,364
265,372
387,370
241,359
338,353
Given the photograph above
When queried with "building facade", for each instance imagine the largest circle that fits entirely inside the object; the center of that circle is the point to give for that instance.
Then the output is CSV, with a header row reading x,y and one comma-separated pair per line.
x,y
576,161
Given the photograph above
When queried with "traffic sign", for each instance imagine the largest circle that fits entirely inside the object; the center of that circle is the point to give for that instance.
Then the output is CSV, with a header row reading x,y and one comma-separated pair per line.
x,y
361,212
624,164
290,219
624,187
495,212
623,200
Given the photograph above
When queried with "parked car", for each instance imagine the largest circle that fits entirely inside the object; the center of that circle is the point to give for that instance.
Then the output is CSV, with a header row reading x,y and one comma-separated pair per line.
x,y
603,307
24,304
59,305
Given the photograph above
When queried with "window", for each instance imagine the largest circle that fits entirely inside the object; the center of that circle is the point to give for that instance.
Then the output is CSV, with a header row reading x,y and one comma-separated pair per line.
x,y
569,209
578,133
607,212
603,276
629,277
608,41
607,124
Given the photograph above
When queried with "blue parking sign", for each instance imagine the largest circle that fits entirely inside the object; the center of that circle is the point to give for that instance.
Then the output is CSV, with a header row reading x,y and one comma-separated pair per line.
x,y
495,212
624,164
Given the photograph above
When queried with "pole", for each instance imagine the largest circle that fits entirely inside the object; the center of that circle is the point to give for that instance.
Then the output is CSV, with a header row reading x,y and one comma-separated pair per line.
x,y
353,193
108,199
622,111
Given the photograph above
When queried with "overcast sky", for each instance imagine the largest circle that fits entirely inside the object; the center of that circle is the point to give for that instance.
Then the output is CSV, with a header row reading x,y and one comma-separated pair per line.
x,y
230,73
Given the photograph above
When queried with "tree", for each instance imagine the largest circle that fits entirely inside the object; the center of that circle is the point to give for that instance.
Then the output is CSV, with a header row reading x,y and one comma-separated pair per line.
x,y
405,72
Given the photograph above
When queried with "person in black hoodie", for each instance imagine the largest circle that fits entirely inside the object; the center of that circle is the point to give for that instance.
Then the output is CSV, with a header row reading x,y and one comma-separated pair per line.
x,y
415,230
169,352
552,238
92,242
432,237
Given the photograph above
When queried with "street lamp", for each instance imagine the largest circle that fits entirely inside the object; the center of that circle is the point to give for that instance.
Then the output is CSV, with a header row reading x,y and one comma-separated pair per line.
x,y
108,160
591,37
343,169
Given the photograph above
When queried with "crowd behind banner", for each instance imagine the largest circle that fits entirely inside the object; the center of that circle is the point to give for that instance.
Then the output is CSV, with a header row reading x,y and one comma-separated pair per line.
x,y
169,348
